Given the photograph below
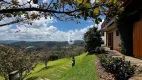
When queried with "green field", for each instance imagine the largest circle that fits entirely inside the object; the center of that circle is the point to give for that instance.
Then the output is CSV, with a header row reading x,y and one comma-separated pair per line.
x,y
62,70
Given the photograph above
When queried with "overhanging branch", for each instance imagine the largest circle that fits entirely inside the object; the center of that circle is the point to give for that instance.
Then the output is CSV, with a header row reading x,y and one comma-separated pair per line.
x,y
42,10
34,9
13,22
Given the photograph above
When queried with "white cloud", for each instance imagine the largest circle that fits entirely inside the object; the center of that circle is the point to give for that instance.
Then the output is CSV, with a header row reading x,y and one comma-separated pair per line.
x,y
46,1
40,31
50,33
92,1
5,20
21,2
99,25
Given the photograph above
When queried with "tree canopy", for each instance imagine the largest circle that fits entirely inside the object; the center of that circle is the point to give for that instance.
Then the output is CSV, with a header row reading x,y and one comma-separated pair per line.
x,y
92,39
29,10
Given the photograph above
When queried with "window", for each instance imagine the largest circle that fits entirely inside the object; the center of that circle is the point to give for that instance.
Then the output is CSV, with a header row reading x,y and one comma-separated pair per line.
x,y
117,33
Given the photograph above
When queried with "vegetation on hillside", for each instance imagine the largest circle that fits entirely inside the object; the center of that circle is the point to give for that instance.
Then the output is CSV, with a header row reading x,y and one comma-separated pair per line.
x,y
15,60
24,59
43,44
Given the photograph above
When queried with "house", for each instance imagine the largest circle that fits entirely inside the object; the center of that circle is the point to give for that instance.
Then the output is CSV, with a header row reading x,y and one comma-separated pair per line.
x,y
111,34
130,29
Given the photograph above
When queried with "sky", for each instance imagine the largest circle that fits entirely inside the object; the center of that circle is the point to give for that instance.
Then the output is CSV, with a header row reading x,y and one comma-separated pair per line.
x,y
50,29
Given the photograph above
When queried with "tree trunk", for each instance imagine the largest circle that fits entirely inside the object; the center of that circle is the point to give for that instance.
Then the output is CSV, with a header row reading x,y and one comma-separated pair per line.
x,y
46,62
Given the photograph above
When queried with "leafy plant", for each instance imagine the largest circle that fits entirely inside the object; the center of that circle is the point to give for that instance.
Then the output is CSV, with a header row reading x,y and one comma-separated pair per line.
x,y
122,70
100,50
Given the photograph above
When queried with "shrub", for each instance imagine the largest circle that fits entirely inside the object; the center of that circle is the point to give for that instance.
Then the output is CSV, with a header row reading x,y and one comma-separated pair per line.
x,y
53,57
92,39
100,50
122,70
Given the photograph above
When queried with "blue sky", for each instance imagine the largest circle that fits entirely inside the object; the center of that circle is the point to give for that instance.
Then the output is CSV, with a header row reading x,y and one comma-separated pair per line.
x,y
72,25
46,30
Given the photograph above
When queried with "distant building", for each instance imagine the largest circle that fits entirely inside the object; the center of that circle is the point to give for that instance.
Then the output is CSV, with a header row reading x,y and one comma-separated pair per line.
x,y
111,34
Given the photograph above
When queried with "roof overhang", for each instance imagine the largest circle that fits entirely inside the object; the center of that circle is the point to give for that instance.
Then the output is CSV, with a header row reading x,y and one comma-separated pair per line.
x,y
107,27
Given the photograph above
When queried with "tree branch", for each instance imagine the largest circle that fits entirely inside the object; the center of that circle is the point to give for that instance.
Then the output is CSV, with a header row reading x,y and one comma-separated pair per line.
x,y
16,21
34,9
49,4
41,10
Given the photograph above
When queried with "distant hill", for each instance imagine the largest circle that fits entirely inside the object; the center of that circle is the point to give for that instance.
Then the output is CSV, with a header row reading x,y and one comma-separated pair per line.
x,y
44,43
7,41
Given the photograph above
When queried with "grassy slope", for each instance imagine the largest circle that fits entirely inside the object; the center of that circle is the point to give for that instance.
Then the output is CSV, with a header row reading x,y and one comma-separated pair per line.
x,y
1,78
85,70
62,70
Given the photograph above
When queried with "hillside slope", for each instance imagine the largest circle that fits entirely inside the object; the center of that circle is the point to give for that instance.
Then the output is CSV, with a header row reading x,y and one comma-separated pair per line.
x,y
62,70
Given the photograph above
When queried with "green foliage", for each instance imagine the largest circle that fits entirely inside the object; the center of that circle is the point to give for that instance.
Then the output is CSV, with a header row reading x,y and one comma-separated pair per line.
x,y
13,60
92,39
79,50
122,70
44,56
100,50
125,26
53,57
66,51
67,9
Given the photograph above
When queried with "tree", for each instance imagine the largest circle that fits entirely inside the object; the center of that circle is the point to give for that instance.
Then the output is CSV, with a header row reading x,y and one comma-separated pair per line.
x,y
79,50
92,39
30,10
44,55
13,60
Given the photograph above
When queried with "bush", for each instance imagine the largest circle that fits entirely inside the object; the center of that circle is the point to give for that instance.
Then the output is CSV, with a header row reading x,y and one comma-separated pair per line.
x,y
92,39
122,70
53,57
100,50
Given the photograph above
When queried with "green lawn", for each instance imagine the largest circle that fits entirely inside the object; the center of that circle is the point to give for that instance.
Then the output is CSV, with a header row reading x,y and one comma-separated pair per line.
x,y
62,70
